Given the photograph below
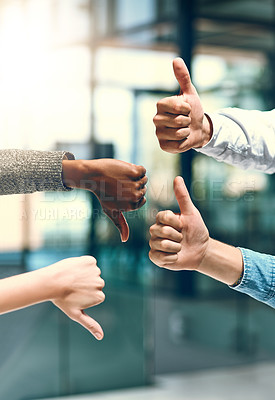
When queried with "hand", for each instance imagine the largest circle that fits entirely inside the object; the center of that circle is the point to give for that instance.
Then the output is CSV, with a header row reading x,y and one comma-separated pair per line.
x,y
118,185
180,120
78,286
179,241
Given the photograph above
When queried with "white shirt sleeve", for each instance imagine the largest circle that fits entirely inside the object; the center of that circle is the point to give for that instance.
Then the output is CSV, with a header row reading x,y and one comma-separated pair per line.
x,y
243,138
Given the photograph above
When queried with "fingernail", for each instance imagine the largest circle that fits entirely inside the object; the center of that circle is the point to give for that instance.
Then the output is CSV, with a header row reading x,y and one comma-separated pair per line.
x,y
98,335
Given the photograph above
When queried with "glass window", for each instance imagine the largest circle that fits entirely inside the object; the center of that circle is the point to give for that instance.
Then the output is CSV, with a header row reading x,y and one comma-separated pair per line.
x,y
130,14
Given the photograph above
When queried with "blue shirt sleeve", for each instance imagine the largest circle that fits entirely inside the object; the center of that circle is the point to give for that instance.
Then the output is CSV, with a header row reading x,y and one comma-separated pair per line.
x,y
258,279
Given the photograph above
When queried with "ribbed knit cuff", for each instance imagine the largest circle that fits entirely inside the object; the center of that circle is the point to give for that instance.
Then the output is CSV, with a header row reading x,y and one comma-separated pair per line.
x,y
29,171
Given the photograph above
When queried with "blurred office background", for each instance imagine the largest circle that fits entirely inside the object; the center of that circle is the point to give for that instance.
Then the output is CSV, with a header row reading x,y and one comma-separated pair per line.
x,y
85,76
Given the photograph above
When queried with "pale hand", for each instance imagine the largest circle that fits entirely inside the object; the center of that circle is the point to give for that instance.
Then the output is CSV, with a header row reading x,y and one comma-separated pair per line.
x,y
78,287
180,120
179,241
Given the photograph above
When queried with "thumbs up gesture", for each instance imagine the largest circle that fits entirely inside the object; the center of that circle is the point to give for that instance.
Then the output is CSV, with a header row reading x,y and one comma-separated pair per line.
x,y
179,241
180,120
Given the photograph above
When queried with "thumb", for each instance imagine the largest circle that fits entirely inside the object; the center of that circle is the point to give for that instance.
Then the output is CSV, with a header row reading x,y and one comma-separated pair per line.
x,y
182,196
120,222
183,77
89,323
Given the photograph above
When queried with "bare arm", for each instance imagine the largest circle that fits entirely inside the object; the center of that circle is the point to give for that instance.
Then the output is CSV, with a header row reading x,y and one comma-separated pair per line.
x,y
72,284
222,262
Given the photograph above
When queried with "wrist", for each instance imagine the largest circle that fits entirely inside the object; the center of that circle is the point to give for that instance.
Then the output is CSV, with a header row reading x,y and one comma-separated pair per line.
x,y
207,130
57,281
222,262
78,173
51,282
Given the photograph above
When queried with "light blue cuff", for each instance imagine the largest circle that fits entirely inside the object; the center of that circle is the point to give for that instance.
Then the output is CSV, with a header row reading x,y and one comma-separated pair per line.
x,y
258,278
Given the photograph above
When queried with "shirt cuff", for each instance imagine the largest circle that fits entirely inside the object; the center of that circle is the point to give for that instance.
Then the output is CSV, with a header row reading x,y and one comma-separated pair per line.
x,y
51,169
258,277
218,122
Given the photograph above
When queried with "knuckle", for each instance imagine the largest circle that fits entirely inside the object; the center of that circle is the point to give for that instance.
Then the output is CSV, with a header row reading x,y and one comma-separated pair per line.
x,y
134,169
102,283
160,104
89,259
177,108
97,270
178,247
179,121
180,134
142,170
163,144
165,245
160,216
166,231
156,119
185,134
136,197
168,216
139,170
101,296
187,107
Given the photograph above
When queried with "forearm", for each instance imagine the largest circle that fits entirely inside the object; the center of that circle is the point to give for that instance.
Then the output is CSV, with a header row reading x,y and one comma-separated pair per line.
x,y
77,174
26,289
222,262
29,171
244,138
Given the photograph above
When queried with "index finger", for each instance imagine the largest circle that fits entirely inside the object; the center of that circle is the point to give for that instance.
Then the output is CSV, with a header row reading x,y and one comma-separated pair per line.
x,y
138,172
169,218
173,105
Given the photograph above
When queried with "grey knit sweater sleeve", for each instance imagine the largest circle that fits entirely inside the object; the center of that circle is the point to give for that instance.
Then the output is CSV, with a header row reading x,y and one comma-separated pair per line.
x,y
29,171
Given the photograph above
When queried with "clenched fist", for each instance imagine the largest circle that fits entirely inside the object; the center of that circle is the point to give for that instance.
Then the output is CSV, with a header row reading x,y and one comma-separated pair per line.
x,y
180,120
